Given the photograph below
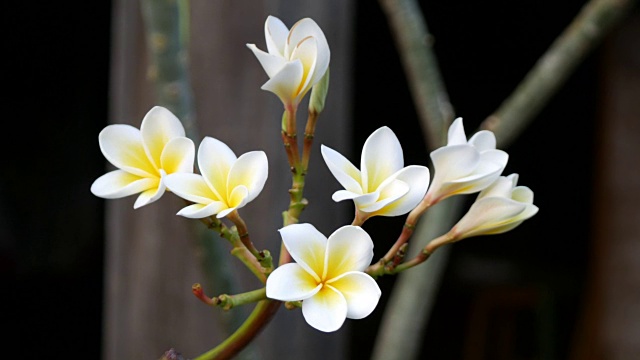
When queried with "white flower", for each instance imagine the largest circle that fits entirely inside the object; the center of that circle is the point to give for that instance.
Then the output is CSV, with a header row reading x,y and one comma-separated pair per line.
x,y
296,59
499,208
328,275
465,167
143,157
226,183
382,186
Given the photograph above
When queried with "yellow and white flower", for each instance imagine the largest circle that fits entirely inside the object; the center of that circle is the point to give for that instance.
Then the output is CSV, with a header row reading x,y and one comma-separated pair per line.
x,y
383,186
226,183
143,157
499,208
296,59
327,276
465,167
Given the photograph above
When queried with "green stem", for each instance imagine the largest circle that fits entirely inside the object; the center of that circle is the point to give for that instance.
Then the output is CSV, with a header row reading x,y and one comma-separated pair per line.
x,y
260,316
228,302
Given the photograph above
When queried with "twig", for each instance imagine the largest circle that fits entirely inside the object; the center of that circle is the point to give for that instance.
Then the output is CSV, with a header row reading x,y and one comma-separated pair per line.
x,y
551,71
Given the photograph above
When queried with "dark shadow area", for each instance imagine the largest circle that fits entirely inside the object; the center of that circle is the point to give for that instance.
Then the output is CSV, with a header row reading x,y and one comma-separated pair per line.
x,y
51,227
516,295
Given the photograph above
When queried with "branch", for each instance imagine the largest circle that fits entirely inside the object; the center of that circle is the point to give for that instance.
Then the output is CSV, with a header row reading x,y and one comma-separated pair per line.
x,y
551,71
414,44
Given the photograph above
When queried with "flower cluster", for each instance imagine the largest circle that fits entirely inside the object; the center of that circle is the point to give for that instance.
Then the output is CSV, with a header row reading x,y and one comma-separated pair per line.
x,y
331,278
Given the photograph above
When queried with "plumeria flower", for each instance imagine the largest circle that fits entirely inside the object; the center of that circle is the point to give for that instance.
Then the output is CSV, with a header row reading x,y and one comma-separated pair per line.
x,y
143,157
499,208
465,167
226,182
382,186
327,276
296,59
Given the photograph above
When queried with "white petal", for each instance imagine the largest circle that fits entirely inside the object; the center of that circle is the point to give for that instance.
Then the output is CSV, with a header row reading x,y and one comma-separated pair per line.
x,y
366,200
149,196
381,157
308,28
275,32
291,282
158,127
118,184
501,187
286,82
361,292
512,223
215,159
456,135
122,146
326,310
522,194
250,170
389,193
271,63
342,169
238,197
349,248
451,163
488,213
306,245
199,211
178,156
191,187
344,195
417,177
483,140
306,52
225,212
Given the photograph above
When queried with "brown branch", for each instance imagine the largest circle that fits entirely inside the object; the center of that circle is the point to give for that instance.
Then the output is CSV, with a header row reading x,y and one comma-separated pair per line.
x,y
551,71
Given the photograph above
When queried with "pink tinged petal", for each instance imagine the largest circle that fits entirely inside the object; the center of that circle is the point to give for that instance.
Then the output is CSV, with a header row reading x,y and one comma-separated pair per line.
x,y
286,82
349,248
361,292
342,169
251,171
275,33
389,193
326,310
291,282
486,214
158,127
271,63
483,140
199,211
149,196
118,184
308,28
346,195
381,157
307,247
122,146
456,135
238,197
178,156
190,187
215,159
417,178
306,52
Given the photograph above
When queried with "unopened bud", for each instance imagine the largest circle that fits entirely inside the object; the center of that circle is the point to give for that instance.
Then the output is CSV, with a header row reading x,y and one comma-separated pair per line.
x,y
319,94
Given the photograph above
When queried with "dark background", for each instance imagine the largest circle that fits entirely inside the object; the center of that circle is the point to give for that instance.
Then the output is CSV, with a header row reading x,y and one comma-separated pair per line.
x,y
51,227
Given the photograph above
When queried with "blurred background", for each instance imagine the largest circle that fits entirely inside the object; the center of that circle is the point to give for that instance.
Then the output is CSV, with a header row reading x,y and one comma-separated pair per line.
x,y
77,283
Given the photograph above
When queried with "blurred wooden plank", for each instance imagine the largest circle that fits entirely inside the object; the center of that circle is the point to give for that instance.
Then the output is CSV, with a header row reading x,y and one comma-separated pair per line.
x,y
150,264
610,326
